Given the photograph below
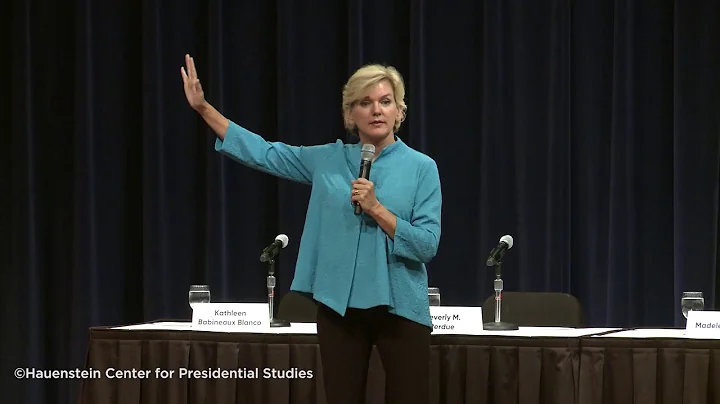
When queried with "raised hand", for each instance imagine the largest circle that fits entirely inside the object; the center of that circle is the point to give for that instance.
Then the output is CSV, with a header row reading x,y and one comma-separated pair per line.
x,y
193,88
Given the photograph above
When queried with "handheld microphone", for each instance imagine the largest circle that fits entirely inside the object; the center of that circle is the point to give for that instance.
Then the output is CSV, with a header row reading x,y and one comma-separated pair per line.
x,y
366,156
496,255
281,241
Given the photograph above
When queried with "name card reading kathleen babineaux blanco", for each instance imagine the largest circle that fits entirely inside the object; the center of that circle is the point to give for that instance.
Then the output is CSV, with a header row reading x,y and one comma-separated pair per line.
x,y
456,320
703,324
231,317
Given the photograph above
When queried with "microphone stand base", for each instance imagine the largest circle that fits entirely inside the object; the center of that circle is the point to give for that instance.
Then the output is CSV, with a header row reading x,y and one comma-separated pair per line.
x,y
276,322
500,326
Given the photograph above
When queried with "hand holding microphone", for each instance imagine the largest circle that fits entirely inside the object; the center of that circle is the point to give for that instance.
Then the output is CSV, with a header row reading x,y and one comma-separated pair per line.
x,y
363,190
363,195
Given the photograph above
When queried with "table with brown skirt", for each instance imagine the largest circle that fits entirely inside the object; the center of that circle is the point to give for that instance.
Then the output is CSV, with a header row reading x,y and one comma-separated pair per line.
x,y
219,368
649,371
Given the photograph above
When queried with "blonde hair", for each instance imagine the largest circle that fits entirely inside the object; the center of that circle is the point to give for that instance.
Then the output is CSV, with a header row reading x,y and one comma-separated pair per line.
x,y
365,77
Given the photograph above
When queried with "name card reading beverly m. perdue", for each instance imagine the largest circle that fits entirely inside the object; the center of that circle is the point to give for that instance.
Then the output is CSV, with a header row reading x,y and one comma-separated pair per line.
x,y
456,320
228,316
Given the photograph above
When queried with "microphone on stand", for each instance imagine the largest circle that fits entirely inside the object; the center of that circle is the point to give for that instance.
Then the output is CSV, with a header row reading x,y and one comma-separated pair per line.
x,y
281,241
366,156
268,256
497,254
495,259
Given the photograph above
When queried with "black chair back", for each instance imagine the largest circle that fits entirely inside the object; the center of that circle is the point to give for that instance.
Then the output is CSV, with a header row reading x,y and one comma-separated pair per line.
x,y
536,309
297,308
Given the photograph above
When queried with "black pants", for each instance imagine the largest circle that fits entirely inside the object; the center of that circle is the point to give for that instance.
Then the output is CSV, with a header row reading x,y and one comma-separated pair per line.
x,y
345,347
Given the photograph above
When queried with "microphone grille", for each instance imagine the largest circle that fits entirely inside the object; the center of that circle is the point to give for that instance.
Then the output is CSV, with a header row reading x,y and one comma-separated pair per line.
x,y
507,239
283,239
367,152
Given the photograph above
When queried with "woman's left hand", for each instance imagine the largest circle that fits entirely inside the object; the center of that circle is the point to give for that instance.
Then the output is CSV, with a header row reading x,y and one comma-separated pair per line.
x,y
363,192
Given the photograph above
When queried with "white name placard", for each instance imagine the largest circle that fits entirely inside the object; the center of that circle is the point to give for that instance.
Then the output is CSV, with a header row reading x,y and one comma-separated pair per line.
x,y
231,317
703,324
456,320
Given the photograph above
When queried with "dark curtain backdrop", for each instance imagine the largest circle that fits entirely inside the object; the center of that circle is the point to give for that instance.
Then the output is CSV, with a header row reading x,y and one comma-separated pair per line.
x,y
587,130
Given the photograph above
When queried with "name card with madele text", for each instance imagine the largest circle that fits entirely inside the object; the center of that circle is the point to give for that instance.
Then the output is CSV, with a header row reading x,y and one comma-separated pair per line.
x,y
456,320
231,317
703,324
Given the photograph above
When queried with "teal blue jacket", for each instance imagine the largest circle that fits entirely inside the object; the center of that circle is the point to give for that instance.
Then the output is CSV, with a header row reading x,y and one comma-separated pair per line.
x,y
345,260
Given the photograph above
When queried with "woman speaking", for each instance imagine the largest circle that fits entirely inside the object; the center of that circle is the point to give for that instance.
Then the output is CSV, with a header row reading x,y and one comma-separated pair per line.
x,y
365,271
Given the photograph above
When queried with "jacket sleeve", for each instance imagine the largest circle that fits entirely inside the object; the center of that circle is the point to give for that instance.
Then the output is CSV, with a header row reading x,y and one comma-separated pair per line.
x,y
418,239
295,163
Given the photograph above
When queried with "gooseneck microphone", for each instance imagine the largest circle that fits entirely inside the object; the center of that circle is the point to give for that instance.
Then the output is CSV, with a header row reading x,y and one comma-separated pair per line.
x,y
366,157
